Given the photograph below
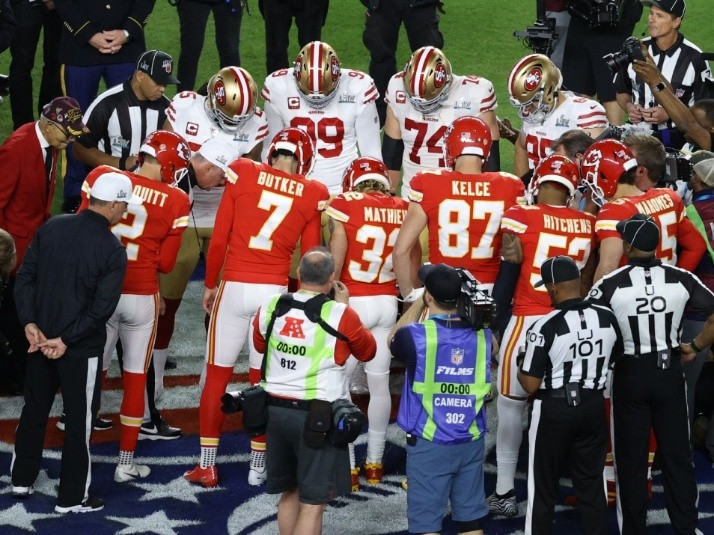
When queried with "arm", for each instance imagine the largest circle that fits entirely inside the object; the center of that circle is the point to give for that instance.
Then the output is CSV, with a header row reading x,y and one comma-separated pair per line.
x,y
587,274
594,132
312,233
10,172
392,148
7,25
169,251
494,159
535,360
407,238
610,255
704,339
76,20
360,341
25,285
258,338
520,156
219,239
634,111
338,245
139,14
93,157
691,244
275,124
367,127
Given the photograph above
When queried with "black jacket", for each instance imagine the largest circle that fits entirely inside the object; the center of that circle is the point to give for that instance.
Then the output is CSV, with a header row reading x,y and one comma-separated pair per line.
x,y
83,18
70,281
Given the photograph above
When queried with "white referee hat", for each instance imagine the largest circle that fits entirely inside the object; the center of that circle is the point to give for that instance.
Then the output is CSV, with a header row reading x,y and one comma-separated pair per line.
x,y
703,165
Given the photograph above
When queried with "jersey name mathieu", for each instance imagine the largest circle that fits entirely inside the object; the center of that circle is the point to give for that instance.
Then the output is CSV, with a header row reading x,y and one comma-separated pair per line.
x,y
164,213
574,112
464,217
334,129
423,134
546,231
188,118
262,215
371,222
662,204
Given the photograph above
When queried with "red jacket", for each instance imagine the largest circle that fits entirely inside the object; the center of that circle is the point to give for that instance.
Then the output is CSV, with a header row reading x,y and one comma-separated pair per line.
x,y
25,194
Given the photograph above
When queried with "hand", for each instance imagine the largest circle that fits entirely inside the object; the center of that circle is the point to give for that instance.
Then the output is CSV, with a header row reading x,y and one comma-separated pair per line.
x,y
647,71
634,112
54,348
342,295
162,306
117,39
34,336
655,115
687,352
100,42
505,128
209,297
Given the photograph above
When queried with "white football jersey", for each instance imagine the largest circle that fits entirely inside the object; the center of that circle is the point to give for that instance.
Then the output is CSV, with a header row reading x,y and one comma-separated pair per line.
x,y
187,116
423,134
574,112
349,122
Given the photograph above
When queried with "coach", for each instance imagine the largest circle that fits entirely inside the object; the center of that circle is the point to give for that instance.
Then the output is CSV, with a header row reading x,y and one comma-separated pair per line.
x,y
566,367
649,299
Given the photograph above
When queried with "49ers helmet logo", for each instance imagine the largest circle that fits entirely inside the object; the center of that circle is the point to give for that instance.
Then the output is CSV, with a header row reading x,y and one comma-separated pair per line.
x,y
533,79
334,67
439,75
219,92
297,68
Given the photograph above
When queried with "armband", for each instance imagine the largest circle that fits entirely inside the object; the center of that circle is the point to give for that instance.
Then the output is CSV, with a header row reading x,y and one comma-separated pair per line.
x,y
695,347
392,152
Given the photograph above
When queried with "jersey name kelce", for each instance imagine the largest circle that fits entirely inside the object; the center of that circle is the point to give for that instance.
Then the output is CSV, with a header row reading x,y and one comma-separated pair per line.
x,y
144,227
262,215
371,222
546,231
464,217
334,129
423,134
662,204
188,118
573,113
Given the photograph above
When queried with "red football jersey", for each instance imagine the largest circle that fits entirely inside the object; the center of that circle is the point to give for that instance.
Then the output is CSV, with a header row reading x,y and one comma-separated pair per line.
x,y
464,213
151,232
263,214
372,222
546,231
665,207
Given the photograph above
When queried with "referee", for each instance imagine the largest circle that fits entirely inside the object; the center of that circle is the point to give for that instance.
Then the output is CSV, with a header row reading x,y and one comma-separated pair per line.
x,y
566,367
649,299
680,62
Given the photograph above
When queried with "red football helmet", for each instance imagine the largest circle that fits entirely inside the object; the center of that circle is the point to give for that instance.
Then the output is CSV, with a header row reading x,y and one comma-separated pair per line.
x,y
299,144
172,152
554,168
362,169
466,135
602,165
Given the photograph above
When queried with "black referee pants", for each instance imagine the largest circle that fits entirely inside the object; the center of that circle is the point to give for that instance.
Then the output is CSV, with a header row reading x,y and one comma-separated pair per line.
x,y
79,380
643,396
557,434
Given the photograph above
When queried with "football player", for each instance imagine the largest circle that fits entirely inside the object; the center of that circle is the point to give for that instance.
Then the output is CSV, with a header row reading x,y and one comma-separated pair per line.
x,y
609,170
364,223
229,112
461,207
547,111
422,101
531,235
257,227
151,233
334,105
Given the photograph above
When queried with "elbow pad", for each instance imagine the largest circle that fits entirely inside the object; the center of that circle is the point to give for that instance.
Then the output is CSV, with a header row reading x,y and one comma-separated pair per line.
x,y
392,152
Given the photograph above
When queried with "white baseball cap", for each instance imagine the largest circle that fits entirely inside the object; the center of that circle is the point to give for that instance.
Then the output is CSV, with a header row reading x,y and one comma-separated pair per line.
x,y
219,152
114,186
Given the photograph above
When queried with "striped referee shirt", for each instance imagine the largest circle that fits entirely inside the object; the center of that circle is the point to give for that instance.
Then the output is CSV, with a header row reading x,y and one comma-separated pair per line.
x,y
681,64
648,299
119,122
572,344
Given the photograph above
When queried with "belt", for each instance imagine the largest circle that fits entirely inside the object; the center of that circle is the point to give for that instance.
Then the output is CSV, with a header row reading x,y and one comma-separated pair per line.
x,y
559,393
676,352
287,403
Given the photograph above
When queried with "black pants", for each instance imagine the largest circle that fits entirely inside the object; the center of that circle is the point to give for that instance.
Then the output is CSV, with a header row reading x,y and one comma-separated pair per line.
x,y
12,365
31,20
381,33
79,379
559,433
193,17
278,14
643,396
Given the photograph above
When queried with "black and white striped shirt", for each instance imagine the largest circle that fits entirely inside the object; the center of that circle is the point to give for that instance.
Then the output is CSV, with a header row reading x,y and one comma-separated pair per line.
x,y
681,64
572,344
649,299
119,122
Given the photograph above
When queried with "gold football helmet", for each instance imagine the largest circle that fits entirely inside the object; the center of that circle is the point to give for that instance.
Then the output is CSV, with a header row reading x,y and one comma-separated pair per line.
x,y
533,87
427,79
317,73
232,95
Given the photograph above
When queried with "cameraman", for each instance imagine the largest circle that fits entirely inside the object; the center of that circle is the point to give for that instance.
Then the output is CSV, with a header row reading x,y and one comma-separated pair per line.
x,y
442,408
303,370
680,63
584,70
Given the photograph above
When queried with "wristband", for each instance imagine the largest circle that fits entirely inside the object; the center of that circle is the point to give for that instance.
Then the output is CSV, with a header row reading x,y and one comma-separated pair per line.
x,y
122,163
695,347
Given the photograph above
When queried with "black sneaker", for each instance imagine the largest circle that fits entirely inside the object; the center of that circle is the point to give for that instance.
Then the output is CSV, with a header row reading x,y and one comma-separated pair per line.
x,y
158,430
100,424
89,505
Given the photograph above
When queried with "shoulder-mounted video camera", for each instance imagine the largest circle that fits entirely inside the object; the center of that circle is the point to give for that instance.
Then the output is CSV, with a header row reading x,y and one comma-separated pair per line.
x,y
540,37
474,305
677,167
597,13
